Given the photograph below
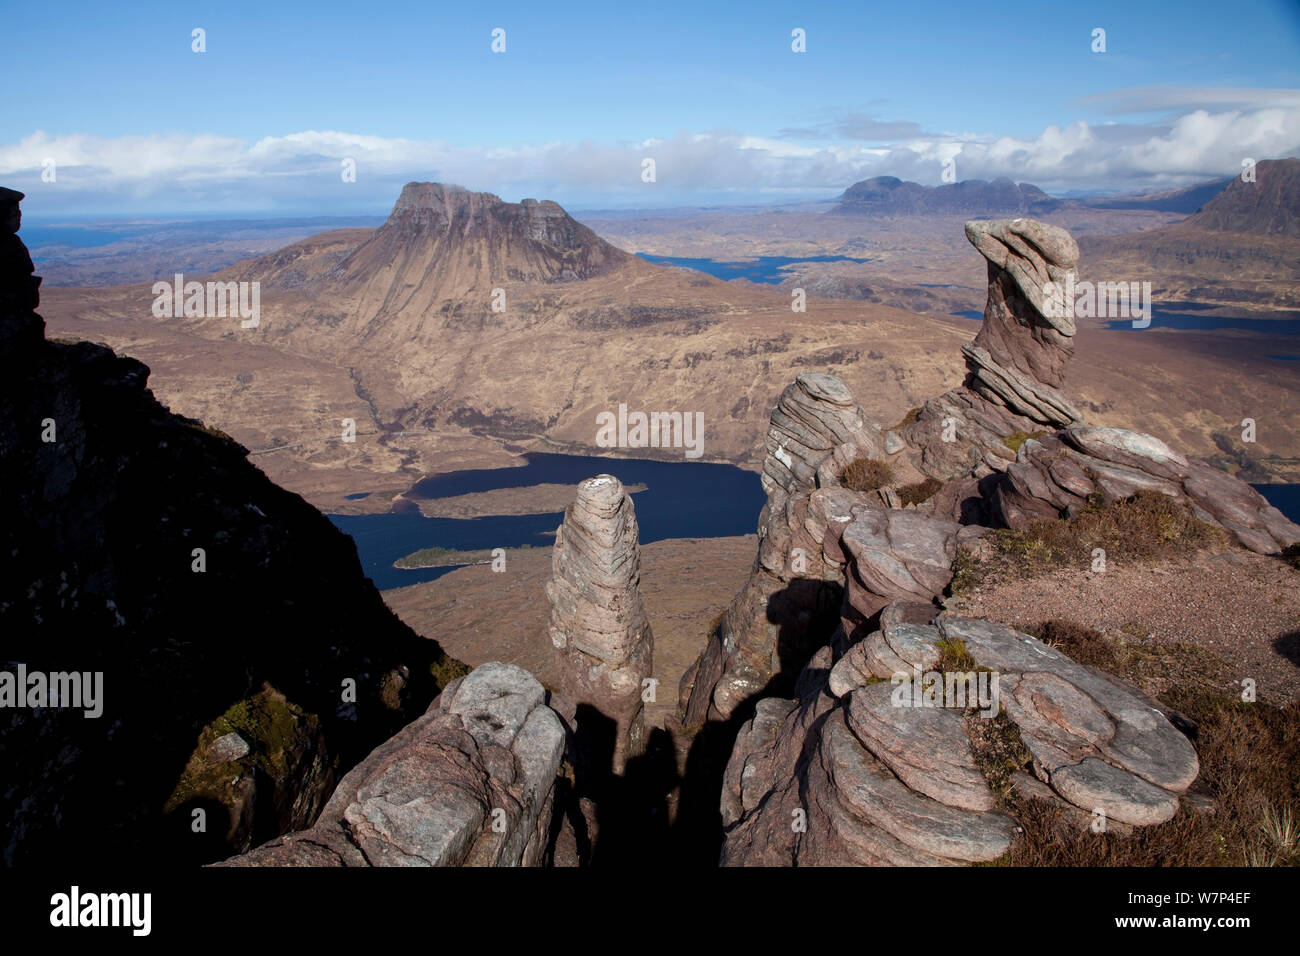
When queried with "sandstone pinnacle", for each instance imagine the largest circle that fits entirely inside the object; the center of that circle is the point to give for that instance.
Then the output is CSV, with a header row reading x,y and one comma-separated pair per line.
x,y
598,624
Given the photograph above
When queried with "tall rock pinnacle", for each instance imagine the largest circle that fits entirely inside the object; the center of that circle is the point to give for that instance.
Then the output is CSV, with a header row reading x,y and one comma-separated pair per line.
x,y
598,625
1016,364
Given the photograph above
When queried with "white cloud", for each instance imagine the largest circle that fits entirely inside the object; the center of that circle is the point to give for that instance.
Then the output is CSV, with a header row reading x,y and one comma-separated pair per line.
x,y
173,173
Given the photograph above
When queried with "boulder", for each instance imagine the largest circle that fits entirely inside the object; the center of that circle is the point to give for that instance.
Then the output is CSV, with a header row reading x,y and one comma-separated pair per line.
x,y
471,783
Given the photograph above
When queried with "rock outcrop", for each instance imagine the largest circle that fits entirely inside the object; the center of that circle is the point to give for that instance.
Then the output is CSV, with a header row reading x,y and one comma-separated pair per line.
x,y
1016,365
850,764
816,429
598,625
874,764
471,783
143,547
1059,474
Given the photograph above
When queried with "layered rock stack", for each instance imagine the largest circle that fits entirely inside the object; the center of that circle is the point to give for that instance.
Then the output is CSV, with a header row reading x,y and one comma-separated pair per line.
x,y
1016,364
815,430
862,768
598,625
471,783
840,769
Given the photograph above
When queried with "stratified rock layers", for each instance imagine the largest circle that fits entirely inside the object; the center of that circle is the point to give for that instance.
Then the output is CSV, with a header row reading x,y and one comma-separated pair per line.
x,y
863,768
598,624
851,766
471,783
816,428
1058,474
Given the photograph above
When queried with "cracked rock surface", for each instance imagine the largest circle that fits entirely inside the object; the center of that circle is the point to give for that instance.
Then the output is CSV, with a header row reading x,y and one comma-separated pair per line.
x,y
471,783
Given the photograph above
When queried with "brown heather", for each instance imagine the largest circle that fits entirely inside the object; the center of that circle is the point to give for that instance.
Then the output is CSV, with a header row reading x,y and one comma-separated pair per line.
x,y
867,474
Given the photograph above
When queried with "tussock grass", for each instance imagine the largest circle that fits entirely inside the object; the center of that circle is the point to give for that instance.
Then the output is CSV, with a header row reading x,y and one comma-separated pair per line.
x,y
919,491
867,474
1147,527
908,419
1018,438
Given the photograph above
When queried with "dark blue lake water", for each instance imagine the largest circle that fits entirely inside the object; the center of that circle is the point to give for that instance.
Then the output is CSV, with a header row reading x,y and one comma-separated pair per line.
x,y
768,269
1285,498
1184,315
1179,316
682,500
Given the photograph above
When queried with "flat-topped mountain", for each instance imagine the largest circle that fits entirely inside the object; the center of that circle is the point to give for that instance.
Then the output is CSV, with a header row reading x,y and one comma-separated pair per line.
x,y
448,236
891,196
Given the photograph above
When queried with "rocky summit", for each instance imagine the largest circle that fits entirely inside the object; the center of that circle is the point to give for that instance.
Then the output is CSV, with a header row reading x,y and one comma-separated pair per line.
x,y
827,720
444,237
840,712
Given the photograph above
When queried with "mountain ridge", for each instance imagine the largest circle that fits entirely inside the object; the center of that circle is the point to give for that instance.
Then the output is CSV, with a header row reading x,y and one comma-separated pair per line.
x,y
891,196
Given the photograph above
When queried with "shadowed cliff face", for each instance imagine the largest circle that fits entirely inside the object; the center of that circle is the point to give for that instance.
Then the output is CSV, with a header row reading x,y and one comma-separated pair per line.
x,y
143,545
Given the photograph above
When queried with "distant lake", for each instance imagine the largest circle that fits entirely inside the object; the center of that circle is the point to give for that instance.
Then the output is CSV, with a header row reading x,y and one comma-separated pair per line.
x,y
1185,315
683,500
766,269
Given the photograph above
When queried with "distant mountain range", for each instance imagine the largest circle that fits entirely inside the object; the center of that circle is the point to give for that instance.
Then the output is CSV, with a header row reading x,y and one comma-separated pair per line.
x,y
891,196
1188,200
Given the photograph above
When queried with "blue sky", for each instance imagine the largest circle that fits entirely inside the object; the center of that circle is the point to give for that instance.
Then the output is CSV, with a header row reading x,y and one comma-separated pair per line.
x,y
261,121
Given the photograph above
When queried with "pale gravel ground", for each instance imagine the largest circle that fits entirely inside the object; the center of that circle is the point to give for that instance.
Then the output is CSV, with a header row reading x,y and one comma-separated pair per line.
x,y
1243,607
